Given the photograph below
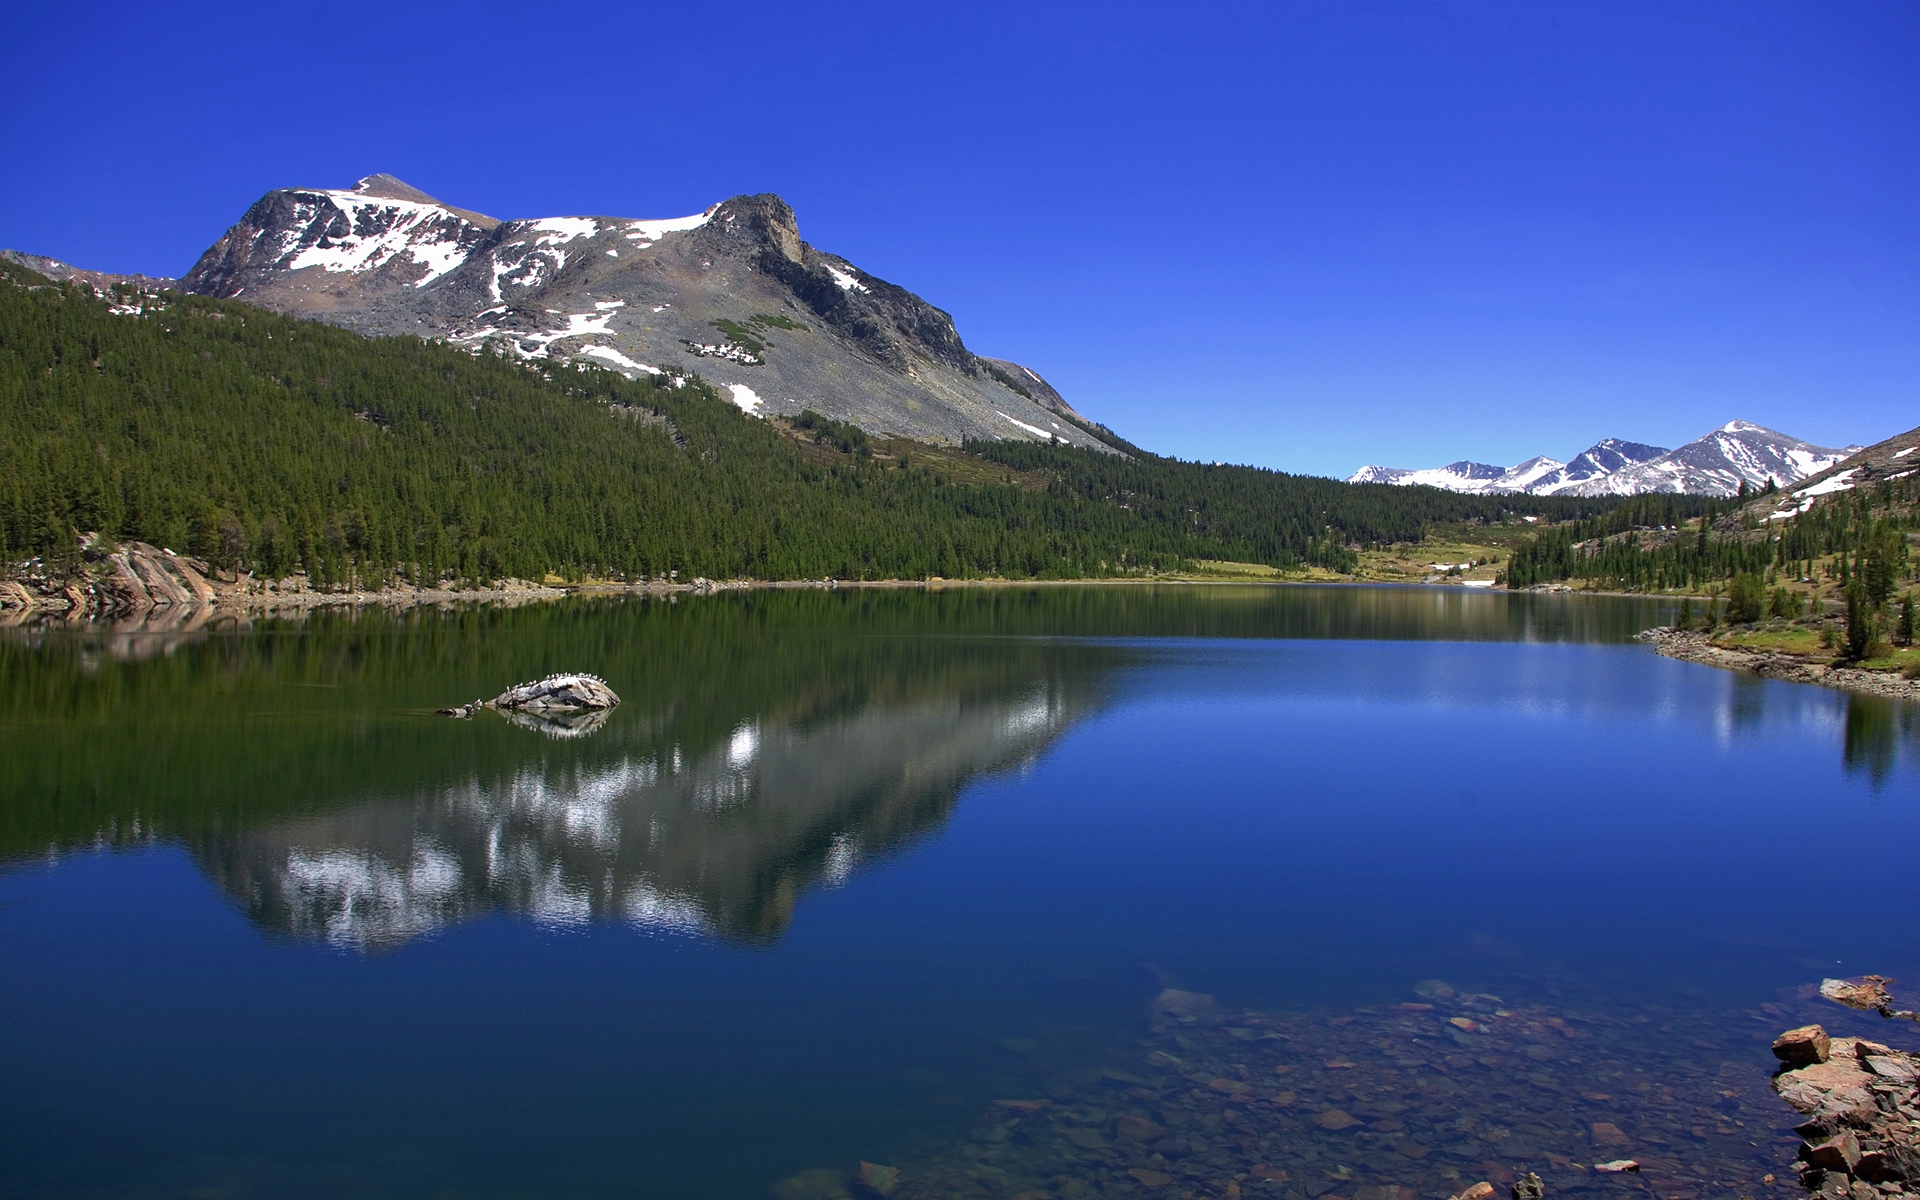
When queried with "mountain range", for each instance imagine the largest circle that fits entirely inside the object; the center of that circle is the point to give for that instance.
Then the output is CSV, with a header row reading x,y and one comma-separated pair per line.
x,y
1716,464
732,292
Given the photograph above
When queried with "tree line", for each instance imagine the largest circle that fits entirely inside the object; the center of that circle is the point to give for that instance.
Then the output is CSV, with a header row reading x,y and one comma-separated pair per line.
x,y
268,444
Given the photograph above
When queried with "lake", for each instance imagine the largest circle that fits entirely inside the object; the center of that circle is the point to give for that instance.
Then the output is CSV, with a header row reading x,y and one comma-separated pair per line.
x,y
1364,893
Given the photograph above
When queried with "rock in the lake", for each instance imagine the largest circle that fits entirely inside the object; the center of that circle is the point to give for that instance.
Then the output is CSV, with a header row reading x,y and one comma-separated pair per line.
x,y
565,692
1335,1119
553,696
821,1183
881,1181
1133,1128
1479,1191
1606,1133
1617,1166
1174,1004
1803,1047
1528,1187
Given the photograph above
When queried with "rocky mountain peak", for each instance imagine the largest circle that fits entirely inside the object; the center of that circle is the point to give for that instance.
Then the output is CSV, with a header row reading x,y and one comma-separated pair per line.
x,y
765,217
732,292
386,187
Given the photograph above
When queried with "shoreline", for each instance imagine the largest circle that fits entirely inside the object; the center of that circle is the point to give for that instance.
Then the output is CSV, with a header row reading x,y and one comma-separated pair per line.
x,y
1695,647
116,602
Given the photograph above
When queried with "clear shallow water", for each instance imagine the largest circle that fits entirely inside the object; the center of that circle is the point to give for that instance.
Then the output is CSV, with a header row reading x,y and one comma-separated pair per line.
x,y
844,869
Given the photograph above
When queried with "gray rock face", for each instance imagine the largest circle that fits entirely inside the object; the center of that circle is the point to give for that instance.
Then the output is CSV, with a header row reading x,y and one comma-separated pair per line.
x,y
732,293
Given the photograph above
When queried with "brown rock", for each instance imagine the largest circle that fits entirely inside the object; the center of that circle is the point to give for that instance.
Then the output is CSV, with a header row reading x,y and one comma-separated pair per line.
x,y
1840,1153
1335,1119
881,1181
1149,1177
1285,1099
1606,1133
1803,1047
1387,1191
1900,1070
1138,1129
1465,1024
1618,1165
1413,1150
1479,1191
1228,1086
1528,1187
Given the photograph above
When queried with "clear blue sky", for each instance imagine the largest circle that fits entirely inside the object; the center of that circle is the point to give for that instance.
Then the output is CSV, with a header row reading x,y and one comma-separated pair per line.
x,y
1304,235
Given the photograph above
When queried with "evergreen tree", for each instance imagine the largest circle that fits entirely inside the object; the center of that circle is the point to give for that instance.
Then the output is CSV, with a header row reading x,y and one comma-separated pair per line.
x,y
1859,629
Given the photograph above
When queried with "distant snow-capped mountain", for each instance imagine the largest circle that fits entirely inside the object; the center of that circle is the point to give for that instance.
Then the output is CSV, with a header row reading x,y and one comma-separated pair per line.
x,y
1714,465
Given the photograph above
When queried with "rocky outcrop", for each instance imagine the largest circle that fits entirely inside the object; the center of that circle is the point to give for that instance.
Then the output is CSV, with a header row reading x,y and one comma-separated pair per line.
x,y
143,577
1693,646
556,694
1861,1100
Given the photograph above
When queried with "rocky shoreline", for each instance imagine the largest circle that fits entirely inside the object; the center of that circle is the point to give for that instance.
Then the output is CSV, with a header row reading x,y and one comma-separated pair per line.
x,y
1861,1100
1693,646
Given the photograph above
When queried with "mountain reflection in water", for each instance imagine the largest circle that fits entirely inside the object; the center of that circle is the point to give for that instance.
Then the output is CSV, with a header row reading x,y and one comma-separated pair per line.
x,y
719,841
768,742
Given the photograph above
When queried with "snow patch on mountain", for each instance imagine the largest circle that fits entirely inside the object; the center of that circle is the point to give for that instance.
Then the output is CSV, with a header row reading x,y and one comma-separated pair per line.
x,y
343,231
743,396
609,354
847,282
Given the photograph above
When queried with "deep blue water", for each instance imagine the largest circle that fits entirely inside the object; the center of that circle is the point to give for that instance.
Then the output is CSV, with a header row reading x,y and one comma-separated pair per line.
x,y
691,955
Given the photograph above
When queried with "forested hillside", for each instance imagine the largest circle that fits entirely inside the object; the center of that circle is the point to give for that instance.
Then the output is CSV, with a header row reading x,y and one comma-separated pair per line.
x,y
264,443
1643,547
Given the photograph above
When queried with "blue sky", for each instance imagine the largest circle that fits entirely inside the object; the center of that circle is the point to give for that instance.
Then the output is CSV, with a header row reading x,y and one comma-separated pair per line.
x,y
1303,235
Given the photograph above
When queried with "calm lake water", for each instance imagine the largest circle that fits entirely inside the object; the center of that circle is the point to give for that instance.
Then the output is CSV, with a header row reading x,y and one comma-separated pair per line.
x,y
846,869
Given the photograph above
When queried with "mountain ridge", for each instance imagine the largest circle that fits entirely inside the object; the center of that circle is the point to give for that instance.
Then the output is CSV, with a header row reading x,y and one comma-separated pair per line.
x,y
1718,463
732,292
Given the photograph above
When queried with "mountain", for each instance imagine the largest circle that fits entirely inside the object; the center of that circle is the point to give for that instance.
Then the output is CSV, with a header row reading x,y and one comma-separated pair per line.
x,y
53,268
1880,464
1718,463
732,292
1714,465
1465,476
